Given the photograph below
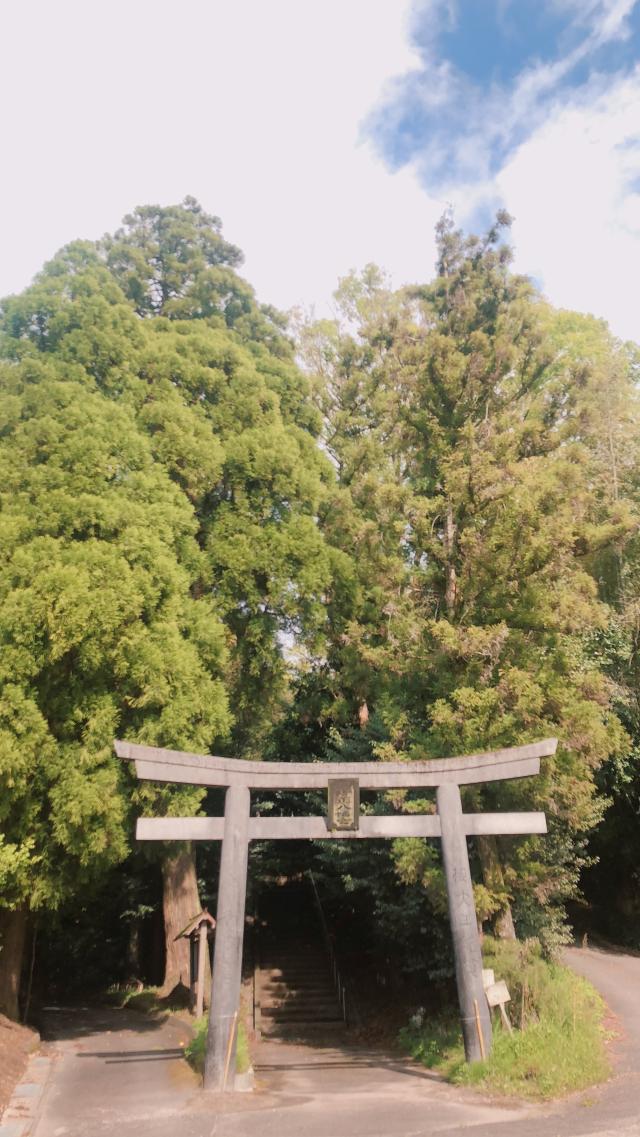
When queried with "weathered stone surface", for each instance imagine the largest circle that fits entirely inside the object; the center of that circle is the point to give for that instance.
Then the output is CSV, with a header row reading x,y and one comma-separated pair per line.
x,y
156,764
315,828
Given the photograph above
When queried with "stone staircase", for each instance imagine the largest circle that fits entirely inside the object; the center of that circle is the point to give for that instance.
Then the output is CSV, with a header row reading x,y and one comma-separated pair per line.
x,y
294,984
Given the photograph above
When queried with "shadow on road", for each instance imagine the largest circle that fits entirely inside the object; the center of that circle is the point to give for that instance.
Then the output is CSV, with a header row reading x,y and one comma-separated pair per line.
x,y
64,1024
134,1055
353,1062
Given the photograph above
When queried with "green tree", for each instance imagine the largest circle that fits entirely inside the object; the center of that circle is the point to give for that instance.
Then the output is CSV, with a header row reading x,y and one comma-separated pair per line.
x,y
228,430
100,635
173,261
464,427
613,430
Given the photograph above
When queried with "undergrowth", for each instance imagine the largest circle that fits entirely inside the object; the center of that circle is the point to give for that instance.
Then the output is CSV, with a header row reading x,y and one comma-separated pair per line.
x,y
558,1040
148,1000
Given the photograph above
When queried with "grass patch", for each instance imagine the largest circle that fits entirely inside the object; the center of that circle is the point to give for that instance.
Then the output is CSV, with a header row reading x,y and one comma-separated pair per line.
x,y
195,1051
146,1001
558,1042
143,999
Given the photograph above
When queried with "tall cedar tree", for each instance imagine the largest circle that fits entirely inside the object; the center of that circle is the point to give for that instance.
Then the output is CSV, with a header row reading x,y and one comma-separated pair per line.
x,y
161,487
464,421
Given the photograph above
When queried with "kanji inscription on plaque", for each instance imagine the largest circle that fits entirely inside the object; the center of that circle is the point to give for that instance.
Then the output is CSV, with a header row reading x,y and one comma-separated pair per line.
x,y
344,803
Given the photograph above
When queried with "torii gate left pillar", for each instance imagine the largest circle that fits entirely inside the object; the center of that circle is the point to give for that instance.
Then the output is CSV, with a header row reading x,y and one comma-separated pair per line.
x,y
222,1033
237,828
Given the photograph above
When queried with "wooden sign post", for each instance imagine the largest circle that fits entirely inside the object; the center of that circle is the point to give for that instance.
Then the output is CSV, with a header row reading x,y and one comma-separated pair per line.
x,y
197,932
237,828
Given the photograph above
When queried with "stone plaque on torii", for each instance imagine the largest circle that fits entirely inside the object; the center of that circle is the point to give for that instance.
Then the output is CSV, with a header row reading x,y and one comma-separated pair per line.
x,y
343,781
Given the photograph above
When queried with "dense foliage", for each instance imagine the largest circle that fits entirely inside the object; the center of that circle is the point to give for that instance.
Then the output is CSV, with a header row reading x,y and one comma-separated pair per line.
x,y
161,481
483,508
415,537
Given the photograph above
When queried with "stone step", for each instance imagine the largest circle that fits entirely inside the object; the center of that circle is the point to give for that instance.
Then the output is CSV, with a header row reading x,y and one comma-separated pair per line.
x,y
283,991
285,975
272,1021
299,969
302,1016
313,994
300,962
301,978
318,1032
301,991
330,1006
290,973
299,983
323,982
283,949
280,985
295,987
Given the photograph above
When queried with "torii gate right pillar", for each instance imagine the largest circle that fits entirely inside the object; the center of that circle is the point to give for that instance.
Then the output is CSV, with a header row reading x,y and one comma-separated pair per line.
x,y
474,1009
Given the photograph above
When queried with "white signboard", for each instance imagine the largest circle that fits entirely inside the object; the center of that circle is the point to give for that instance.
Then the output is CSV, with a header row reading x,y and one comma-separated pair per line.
x,y
497,994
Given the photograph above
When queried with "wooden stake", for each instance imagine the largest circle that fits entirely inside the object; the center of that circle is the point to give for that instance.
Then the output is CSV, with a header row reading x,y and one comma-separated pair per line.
x,y
505,1018
479,1029
203,951
232,1034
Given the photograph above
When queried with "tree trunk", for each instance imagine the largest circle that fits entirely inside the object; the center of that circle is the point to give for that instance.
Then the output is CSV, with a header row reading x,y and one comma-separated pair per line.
x,y
180,903
13,928
451,587
493,877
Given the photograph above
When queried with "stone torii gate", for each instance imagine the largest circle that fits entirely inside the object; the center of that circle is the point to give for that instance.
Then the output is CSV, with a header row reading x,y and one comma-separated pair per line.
x,y
343,780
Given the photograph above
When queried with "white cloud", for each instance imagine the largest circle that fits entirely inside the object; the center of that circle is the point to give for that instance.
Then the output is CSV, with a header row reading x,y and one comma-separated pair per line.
x,y
613,21
256,109
571,189
253,107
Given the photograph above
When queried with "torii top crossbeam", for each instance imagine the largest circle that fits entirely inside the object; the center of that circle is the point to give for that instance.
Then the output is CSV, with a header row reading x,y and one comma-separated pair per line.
x,y
157,764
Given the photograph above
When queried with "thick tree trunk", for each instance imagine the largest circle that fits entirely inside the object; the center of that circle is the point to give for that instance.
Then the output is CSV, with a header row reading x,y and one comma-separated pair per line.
x,y
13,929
180,903
493,877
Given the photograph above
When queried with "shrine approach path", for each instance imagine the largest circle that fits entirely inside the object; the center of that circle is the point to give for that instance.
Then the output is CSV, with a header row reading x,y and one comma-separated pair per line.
x,y
113,1072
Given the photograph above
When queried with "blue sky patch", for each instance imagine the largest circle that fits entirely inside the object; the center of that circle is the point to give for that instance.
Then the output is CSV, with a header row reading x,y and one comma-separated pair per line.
x,y
491,42
490,72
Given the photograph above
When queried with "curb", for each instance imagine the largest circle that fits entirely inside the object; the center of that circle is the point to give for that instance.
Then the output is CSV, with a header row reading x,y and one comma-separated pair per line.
x,y
21,1112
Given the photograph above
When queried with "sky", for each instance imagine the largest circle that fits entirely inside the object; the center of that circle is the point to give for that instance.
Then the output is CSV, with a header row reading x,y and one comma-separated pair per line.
x,y
330,134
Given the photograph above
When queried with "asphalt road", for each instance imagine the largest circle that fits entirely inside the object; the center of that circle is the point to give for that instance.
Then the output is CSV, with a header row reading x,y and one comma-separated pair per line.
x,y
113,1073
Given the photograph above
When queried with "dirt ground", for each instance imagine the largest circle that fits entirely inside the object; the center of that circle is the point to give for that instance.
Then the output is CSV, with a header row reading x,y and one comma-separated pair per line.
x,y
16,1043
